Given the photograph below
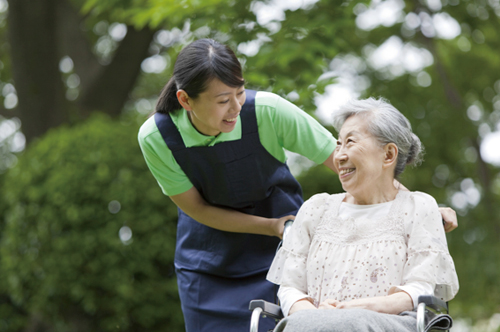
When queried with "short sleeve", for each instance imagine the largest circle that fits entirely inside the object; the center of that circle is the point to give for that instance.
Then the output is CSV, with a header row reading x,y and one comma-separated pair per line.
x,y
284,125
289,265
428,257
161,162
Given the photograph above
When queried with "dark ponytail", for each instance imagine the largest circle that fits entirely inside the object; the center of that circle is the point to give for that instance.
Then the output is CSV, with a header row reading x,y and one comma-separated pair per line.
x,y
197,64
168,98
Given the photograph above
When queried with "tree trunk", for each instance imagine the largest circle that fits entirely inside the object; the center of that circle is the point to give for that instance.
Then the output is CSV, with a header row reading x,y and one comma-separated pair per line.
x,y
42,32
35,65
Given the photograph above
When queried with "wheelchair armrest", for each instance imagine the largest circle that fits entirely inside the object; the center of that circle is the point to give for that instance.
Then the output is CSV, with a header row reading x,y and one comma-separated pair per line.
x,y
429,320
268,309
434,303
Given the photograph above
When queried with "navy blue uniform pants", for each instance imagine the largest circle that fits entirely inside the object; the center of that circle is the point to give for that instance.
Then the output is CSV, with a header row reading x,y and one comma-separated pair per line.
x,y
213,303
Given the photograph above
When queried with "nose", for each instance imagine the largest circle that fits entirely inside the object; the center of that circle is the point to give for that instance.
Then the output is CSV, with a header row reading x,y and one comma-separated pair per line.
x,y
339,156
237,103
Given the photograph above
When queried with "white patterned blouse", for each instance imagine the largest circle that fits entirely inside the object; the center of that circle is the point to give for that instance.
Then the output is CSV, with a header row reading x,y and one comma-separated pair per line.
x,y
342,251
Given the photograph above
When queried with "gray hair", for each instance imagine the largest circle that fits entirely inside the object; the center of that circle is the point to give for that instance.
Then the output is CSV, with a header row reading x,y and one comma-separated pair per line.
x,y
387,125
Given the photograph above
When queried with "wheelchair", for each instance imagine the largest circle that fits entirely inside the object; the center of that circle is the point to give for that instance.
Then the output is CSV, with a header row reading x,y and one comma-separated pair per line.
x,y
432,312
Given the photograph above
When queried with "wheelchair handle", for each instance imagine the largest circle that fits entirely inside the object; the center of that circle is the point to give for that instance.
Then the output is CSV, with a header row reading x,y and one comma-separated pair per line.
x,y
288,226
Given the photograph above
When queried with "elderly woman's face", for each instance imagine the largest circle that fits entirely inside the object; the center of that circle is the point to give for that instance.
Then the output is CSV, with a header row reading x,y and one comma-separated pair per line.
x,y
358,157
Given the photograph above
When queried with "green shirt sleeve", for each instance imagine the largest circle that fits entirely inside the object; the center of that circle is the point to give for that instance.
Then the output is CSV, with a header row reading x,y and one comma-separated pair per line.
x,y
160,160
284,125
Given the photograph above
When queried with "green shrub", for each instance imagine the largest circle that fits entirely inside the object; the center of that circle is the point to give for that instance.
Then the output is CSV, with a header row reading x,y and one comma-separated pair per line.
x,y
62,258
12,317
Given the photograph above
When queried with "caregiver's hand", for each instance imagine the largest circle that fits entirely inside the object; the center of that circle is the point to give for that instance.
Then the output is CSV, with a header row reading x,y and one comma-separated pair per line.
x,y
450,218
278,225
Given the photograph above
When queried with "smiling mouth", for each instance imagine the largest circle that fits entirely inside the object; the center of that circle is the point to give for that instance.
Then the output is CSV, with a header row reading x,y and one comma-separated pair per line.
x,y
230,120
346,171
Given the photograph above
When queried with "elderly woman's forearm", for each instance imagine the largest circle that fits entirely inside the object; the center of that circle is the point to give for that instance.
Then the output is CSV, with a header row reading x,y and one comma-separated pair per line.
x,y
303,304
394,303
390,304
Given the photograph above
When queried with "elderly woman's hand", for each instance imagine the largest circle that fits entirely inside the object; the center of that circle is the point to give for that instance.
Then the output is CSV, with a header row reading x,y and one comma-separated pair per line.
x,y
330,304
449,217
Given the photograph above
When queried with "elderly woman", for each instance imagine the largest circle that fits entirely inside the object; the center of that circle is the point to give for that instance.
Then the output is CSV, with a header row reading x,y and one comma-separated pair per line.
x,y
374,249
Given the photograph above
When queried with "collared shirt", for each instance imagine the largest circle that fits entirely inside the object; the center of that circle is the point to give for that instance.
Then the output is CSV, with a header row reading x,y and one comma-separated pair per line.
x,y
282,125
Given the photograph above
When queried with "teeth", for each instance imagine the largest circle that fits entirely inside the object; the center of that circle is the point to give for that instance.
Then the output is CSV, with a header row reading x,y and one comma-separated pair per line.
x,y
345,171
231,120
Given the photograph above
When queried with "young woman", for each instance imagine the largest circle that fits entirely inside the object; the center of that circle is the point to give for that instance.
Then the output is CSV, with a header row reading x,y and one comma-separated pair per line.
x,y
217,150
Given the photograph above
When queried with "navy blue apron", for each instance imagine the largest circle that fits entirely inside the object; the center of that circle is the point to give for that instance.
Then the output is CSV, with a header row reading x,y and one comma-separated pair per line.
x,y
220,272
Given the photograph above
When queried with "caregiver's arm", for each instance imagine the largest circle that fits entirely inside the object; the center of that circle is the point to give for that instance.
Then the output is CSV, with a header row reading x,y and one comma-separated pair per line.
x,y
329,163
195,206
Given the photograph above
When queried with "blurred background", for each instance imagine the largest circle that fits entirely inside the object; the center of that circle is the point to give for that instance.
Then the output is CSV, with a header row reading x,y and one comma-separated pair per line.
x,y
87,237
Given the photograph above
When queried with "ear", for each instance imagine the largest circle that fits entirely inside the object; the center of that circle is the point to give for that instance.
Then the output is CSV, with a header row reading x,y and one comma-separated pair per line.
x,y
184,100
390,154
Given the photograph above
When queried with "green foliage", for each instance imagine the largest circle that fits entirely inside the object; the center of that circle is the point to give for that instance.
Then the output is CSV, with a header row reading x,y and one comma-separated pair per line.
x,y
151,13
12,317
61,255
291,59
300,51
294,53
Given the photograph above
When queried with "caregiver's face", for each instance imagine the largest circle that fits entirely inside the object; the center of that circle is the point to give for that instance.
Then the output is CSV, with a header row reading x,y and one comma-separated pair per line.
x,y
217,108
358,156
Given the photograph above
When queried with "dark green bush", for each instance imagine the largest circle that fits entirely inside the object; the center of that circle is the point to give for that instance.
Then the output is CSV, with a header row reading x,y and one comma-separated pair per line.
x,y
61,255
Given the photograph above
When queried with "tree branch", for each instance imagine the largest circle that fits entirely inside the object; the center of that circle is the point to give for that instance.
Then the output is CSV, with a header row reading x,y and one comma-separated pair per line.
x,y
110,90
450,91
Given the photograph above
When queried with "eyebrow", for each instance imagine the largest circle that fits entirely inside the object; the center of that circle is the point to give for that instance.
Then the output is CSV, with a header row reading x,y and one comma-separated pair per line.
x,y
227,93
223,94
353,132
